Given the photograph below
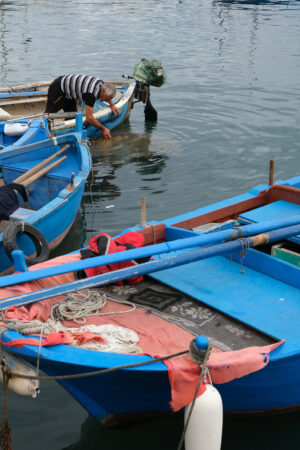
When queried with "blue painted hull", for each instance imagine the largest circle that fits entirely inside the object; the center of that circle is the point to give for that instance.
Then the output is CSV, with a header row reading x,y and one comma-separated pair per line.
x,y
265,297
53,203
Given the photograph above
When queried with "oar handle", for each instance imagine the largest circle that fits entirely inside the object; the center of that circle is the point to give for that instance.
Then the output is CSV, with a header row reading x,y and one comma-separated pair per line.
x,y
39,166
42,172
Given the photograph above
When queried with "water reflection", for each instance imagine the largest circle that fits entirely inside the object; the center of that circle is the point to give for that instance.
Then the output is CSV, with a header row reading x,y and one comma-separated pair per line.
x,y
109,156
160,434
128,163
164,434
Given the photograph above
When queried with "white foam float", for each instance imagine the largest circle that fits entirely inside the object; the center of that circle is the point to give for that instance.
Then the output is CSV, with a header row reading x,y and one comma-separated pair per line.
x,y
204,431
22,386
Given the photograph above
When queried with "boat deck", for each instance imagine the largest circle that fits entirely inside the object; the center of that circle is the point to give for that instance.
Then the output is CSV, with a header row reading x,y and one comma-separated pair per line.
x,y
223,332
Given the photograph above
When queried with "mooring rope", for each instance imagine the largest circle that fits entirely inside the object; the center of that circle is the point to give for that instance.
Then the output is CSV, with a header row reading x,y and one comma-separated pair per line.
x,y
200,357
5,436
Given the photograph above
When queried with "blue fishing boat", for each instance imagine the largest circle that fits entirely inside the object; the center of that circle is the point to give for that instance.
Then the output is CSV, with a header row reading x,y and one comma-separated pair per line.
x,y
54,171
29,101
212,272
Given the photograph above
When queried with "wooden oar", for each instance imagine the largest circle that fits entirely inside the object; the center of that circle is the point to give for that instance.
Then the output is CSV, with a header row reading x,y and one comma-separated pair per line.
x,y
42,172
152,266
39,166
150,250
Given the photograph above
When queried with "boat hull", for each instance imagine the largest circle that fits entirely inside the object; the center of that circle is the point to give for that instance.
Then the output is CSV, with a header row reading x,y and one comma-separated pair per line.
x,y
55,217
264,297
21,103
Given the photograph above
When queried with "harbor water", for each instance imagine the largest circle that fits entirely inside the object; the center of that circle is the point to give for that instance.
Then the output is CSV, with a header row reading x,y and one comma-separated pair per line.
x,y
231,104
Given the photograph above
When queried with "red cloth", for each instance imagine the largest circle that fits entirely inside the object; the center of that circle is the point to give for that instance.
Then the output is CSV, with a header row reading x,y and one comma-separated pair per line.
x,y
157,338
103,244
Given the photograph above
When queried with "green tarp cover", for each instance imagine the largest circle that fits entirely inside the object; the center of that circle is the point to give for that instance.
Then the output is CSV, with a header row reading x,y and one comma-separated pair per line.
x,y
150,71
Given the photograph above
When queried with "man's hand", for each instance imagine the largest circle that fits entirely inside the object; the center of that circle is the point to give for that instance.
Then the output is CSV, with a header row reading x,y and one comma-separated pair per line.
x,y
115,110
106,133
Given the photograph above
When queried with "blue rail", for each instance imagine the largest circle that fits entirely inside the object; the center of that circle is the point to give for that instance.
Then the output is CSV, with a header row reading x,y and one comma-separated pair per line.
x,y
150,267
144,252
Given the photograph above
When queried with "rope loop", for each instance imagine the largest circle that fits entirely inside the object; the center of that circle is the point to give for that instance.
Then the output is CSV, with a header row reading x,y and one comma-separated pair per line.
x,y
198,355
244,250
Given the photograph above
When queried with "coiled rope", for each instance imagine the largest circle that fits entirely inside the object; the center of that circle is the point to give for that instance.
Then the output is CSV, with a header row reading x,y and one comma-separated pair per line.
x,y
84,303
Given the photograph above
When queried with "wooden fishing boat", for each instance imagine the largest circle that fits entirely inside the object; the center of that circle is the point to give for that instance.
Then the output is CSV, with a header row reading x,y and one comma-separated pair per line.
x,y
213,272
29,101
54,192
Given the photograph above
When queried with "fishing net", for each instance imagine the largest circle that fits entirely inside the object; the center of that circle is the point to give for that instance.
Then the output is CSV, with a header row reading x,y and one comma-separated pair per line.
x,y
150,71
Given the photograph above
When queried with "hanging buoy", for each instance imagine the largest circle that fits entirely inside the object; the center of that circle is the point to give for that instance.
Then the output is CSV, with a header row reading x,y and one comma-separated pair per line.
x,y
204,431
15,129
203,418
22,386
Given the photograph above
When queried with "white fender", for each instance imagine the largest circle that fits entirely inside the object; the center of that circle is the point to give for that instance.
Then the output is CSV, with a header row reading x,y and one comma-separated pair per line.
x,y
21,386
15,129
4,115
204,431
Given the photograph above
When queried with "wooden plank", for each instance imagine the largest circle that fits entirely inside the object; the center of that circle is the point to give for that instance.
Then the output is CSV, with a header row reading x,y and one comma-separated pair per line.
x,y
223,214
22,100
25,86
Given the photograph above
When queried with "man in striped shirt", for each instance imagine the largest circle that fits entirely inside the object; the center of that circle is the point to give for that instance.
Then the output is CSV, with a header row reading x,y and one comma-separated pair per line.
x,y
65,90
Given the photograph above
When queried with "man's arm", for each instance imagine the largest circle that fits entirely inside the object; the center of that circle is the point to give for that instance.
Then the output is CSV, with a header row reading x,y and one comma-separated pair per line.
x,y
90,118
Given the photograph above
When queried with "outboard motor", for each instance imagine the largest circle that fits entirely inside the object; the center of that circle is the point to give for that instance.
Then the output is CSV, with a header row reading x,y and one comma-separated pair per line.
x,y
148,72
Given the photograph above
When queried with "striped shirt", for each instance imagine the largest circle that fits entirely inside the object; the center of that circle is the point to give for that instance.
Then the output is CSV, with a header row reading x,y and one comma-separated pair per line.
x,y
81,87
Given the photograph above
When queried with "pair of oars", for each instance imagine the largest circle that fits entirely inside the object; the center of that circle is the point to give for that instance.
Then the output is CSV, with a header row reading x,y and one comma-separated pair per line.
x,y
39,170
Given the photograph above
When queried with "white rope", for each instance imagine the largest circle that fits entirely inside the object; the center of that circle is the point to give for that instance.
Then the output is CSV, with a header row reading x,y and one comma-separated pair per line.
x,y
80,304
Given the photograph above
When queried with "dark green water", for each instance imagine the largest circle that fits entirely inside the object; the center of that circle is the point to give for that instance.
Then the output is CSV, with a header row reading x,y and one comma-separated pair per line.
x,y
231,103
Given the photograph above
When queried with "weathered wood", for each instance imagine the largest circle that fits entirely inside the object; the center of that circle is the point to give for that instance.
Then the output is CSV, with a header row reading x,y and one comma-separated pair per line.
x,y
271,173
281,192
12,101
153,234
39,166
273,194
143,212
25,86
223,214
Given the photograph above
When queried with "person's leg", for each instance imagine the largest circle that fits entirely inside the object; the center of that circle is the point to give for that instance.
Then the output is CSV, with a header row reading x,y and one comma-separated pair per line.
x,y
56,97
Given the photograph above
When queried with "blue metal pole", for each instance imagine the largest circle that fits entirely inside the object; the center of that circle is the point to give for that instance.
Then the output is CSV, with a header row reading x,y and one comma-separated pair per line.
x,y
151,267
144,252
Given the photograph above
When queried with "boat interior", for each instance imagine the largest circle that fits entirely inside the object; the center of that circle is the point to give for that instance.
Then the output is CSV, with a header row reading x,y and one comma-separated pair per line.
x,y
208,297
18,104
53,180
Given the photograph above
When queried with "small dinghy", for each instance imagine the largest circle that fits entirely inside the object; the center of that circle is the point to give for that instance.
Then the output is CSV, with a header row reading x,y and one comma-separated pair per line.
x,y
29,101
211,272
